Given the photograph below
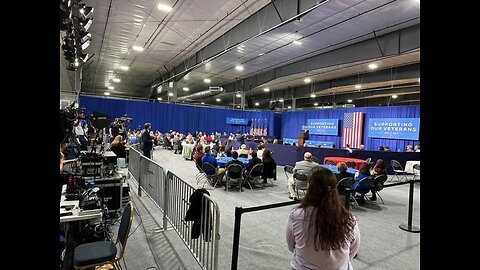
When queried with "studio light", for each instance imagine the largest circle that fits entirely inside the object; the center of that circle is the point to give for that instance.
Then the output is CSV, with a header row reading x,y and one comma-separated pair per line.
x,y
86,10
85,23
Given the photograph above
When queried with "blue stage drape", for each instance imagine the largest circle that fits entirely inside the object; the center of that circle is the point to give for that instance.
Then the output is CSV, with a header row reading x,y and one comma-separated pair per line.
x,y
292,123
183,118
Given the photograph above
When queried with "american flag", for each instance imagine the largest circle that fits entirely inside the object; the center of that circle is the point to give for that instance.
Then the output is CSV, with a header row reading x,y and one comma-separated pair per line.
x,y
352,129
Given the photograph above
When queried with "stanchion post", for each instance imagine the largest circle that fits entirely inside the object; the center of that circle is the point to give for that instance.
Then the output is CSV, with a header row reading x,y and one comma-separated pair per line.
x,y
408,227
236,236
139,192
347,198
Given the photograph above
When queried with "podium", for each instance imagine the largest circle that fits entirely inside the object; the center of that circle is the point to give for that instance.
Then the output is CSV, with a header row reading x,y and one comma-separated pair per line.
x,y
301,137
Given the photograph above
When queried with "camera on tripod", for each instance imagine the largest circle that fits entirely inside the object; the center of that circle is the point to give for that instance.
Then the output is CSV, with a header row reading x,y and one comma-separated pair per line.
x,y
68,116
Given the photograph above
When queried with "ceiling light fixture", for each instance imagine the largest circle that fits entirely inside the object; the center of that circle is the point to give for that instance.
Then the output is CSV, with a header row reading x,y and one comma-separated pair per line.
x,y
349,101
260,54
138,48
315,104
170,94
186,89
358,86
106,94
207,80
111,88
124,68
239,68
238,95
159,98
373,66
117,80
218,100
394,96
203,103
296,42
307,80
257,104
266,89
289,107
280,100
313,95
164,7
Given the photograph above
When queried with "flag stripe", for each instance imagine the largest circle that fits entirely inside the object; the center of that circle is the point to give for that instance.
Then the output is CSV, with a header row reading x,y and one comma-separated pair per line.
x,y
352,129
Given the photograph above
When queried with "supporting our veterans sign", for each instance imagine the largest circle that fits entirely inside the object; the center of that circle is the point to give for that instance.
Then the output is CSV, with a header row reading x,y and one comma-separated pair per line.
x,y
323,126
394,128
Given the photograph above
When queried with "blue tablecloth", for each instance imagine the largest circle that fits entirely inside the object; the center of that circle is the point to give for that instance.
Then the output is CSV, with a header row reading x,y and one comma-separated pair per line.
x,y
334,169
224,160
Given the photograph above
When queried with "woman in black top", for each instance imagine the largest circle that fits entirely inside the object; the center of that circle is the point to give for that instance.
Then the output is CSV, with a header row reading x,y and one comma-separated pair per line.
x,y
269,166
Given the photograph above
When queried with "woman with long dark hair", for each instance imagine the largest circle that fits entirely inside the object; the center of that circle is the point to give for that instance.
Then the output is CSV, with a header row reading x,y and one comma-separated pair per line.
x,y
321,233
269,166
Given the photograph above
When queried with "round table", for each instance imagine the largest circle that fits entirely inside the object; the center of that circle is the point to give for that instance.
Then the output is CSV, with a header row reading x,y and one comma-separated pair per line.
x,y
221,162
358,162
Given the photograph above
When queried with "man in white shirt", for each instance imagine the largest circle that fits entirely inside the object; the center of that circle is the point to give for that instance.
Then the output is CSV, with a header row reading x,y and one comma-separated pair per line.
x,y
306,166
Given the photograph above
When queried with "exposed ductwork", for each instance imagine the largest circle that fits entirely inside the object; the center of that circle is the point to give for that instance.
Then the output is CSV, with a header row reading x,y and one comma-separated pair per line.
x,y
212,91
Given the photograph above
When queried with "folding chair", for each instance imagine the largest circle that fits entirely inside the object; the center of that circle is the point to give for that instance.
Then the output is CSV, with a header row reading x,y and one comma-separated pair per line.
x,y
365,186
416,171
398,170
288,169
345,183
212,178
378,182
234,168
255,176
98,253
200,174
301,183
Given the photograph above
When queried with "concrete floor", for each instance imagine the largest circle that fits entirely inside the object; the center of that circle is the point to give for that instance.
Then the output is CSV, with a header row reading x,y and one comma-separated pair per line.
x,y
262,239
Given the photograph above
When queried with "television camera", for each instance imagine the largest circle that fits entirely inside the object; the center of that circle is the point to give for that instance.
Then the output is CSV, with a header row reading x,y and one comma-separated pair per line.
x,y
69,115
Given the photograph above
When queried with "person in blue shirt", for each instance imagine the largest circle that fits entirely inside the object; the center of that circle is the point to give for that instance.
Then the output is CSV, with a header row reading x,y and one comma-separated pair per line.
x,y
362,173
209,158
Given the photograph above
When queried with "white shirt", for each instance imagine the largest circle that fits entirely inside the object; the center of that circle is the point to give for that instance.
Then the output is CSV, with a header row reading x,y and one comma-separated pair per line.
x,y
304,256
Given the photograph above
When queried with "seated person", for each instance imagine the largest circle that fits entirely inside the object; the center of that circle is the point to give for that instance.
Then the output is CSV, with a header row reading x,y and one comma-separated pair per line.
x,y
118,148
234,161
417,148
260,149
243,152
221,152
305,166
409,148
342,173
208,158
198,155
362,173
252,162
269,166
377,170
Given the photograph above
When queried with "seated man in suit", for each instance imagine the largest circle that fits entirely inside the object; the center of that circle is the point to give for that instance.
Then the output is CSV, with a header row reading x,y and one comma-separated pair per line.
x,y
243,152
306,166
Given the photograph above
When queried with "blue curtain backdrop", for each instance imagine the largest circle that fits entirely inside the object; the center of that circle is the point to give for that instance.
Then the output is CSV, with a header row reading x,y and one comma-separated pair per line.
x,y
292,123
183,118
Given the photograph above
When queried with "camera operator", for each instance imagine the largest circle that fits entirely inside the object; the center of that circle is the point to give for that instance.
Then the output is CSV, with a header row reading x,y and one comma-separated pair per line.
x,y
114,130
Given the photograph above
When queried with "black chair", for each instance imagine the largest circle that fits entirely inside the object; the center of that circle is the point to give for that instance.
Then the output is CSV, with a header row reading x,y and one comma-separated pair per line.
x,y
254,177
288,169
345,185
200,174
301,183
378,182
212,178
98,253
416,171
234,174
243,156
398,170
366,185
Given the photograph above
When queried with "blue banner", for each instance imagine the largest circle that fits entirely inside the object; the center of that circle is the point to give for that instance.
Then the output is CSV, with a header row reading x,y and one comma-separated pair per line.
x,y
323,126
394,128
237,121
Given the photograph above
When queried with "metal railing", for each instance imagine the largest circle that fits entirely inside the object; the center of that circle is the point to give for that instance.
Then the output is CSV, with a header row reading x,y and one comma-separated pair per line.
x,y
205,247
171,195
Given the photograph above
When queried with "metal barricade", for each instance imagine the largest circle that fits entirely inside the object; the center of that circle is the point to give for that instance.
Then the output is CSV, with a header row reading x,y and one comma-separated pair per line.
x,y
171,194
205,247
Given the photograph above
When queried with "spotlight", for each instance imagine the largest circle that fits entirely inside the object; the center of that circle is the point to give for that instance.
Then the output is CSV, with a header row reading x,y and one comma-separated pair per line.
x,y
86,10
85,45
85,23
84,36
